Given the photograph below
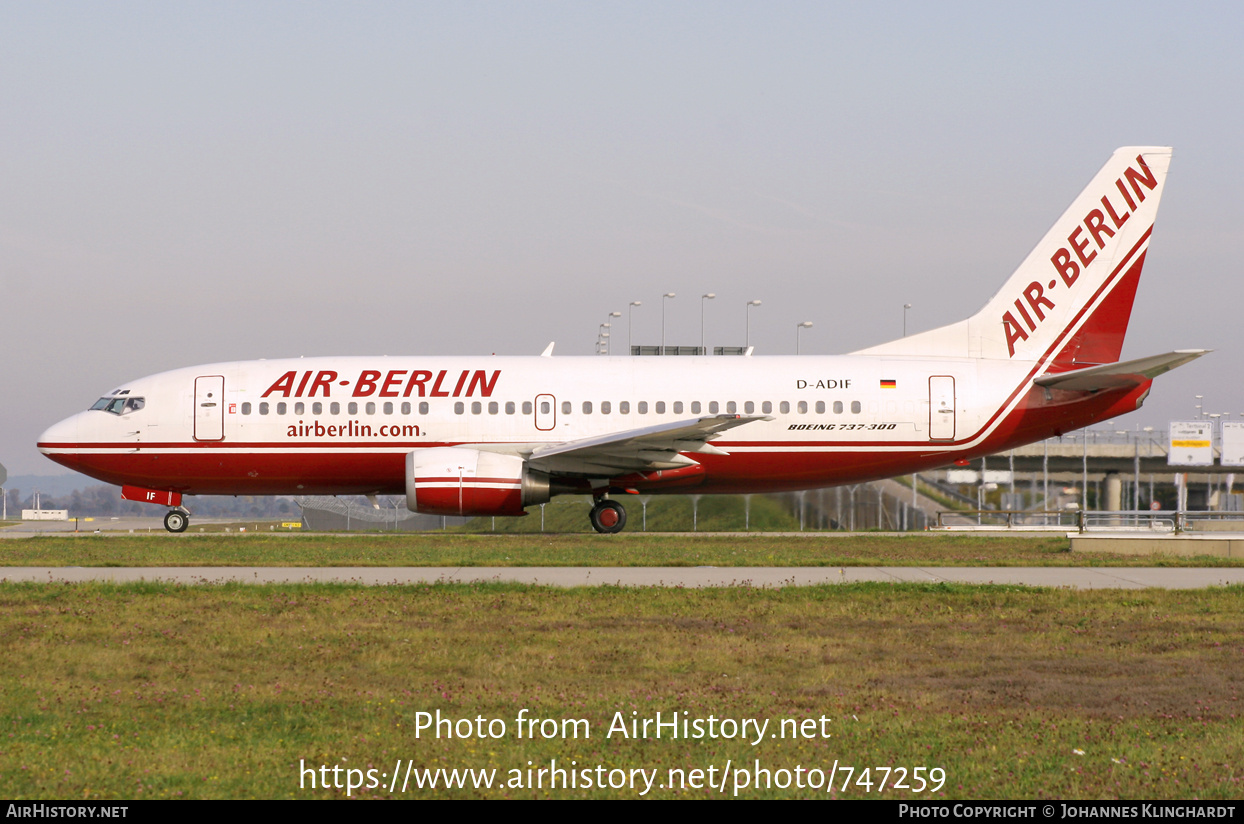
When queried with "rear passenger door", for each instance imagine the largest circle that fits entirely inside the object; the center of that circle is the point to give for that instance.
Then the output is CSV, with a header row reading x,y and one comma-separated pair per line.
x,y
941,408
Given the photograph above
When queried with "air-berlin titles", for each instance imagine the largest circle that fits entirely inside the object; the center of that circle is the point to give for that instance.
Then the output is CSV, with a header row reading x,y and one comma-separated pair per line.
x,y
396,383
1070,260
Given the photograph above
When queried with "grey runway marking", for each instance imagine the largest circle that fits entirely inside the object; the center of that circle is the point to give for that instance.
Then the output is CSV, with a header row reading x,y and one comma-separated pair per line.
x,y
689,577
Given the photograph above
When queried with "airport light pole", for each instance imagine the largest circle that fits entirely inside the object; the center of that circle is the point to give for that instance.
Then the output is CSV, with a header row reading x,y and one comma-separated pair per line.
x,y
747,340
629,318
807,324
613,315
704,297
906,306
663,297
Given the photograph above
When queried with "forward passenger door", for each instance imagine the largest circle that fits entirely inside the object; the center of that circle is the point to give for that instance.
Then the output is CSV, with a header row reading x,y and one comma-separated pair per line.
x,y
209,408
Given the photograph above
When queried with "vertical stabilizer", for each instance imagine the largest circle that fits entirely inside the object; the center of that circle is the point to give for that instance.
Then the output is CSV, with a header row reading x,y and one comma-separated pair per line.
x,y
1069,302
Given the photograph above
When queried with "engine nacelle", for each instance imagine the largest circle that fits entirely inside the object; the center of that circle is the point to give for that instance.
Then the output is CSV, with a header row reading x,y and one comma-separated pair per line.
x,y
457,481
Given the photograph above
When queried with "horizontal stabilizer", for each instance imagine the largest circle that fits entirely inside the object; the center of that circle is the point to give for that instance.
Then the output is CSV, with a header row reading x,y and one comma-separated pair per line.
x,y
1119,375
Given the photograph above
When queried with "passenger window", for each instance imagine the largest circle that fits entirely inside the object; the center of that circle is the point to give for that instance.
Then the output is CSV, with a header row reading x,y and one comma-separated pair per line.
x,y
803,407
370,409
785,407
855,407
566,406
677,407
510,408
300,408
587,407
352,407
423,407
837,407
695,407
263,408
526,407
820,407
493,407
388,407
280,408
766,407
476,407
713,407
317,408
643,407
732,407
749,408
660,407
545,407
604,407
334,408
246,409
459,407
624,407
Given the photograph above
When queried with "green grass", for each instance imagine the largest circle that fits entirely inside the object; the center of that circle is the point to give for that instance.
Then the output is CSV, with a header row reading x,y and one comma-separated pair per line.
x,y
453,549
157,691
713,513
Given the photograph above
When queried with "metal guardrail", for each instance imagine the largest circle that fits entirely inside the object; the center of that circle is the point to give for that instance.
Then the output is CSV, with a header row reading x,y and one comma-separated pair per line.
x,y
1130,521
1008,519
1079,521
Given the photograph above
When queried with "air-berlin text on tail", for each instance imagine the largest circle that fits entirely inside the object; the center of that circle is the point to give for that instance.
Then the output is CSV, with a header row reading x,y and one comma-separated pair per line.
x,y
1070,260
394,383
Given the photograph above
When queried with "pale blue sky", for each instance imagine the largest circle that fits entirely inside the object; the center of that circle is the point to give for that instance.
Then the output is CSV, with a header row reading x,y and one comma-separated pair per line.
x,y
186,183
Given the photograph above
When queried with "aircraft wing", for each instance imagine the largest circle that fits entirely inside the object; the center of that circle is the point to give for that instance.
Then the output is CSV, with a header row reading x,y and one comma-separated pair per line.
x,y
639,450
1119,375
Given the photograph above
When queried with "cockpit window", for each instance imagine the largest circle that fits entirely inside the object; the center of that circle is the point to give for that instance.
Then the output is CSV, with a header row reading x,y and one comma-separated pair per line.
x,y
119,406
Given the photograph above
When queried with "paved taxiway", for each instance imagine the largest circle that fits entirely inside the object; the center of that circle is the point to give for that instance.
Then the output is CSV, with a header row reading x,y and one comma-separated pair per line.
x,y
691,577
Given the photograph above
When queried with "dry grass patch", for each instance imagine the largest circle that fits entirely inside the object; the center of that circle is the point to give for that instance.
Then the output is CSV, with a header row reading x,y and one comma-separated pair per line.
x,y
221,691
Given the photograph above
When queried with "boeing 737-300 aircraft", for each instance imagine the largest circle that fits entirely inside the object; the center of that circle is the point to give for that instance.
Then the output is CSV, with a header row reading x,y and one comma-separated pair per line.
x,y
494,435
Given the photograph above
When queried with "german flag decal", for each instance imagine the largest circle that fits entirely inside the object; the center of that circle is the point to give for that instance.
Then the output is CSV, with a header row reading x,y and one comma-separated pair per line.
x,y
885,384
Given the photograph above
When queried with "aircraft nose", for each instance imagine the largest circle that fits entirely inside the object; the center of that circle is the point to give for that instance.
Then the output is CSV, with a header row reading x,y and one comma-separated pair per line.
x,y
59,436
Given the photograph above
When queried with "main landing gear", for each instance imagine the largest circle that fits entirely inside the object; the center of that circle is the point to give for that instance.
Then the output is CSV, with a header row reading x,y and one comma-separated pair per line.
x,y
176,520
608,516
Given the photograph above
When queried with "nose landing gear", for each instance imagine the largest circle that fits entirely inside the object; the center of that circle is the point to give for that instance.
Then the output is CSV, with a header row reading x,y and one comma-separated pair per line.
x,y
608,516
176,520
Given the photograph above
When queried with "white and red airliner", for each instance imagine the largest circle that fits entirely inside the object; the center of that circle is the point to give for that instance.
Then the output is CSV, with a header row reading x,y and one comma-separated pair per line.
x,y
494,435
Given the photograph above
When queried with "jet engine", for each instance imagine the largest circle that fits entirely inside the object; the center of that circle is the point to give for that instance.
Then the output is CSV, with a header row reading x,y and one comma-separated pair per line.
x,y
459,481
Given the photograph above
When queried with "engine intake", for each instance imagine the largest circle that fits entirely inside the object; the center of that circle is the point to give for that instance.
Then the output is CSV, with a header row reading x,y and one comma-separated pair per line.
x,y
458,481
